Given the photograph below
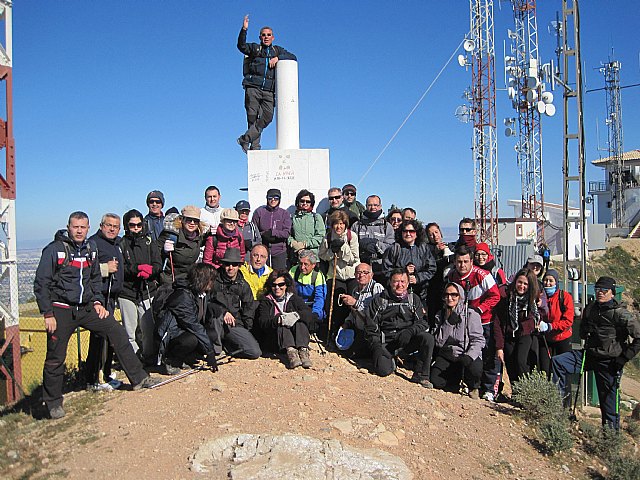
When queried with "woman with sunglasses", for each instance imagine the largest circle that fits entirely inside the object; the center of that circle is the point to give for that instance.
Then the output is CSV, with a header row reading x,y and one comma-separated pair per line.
x,y
227,235
284,319
307,227
516,318
394,217
142,267
180,243
459,342
412,254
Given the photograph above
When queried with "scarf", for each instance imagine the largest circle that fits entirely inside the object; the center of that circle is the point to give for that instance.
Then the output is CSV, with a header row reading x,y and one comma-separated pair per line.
x,y
518,304
372,215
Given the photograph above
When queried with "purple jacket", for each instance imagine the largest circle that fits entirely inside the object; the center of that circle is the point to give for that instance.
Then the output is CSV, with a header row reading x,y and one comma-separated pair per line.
x,y
279,222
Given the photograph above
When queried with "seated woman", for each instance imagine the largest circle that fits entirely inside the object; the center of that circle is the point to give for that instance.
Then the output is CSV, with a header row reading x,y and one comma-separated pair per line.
x,y
284,315
181,323
459,343
557,329
227,235
311,285
516,317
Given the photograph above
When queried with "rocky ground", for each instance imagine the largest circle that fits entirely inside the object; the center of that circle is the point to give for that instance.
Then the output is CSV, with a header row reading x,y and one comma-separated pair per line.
x,y
155,433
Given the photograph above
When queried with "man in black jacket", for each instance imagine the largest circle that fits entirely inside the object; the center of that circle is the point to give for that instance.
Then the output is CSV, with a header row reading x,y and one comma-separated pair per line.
x,y
259,82
68,291
611,337
232,309
395,321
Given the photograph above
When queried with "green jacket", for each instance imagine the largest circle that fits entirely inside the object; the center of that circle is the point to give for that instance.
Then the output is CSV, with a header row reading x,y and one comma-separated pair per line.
x,y
308,228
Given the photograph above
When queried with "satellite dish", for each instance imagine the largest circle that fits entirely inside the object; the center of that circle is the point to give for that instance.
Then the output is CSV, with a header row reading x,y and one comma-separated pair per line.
x,y
532,82
511,92
532,96
541,107
469,45
462,61
547,97
550,110
511,82
509,132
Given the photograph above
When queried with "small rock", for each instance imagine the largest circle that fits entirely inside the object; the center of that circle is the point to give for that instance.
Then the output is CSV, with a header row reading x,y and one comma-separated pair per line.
x,y
388,438
343,426
437,414
565,468
12,454
45,461
379,429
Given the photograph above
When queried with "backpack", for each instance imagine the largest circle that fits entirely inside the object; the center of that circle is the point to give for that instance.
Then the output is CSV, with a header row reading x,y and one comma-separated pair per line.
x,y
67,253
563,307
314,276
162,294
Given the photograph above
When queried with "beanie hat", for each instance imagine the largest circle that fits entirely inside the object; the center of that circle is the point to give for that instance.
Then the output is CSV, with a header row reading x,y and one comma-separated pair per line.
x,y
606,282
349,187
229,214
191,211
552,273
483,247
273,192
155,194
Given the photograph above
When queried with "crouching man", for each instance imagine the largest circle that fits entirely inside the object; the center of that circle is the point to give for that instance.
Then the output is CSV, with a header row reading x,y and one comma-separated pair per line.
x,y
395,321
68,288
611,337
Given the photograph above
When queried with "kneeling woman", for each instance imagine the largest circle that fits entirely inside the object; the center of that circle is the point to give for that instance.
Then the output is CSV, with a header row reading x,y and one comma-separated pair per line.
x,y
284,314
459,343
516,317
181,325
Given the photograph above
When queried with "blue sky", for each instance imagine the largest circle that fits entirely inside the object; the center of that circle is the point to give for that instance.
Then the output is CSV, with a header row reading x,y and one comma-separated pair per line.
x,y
114,99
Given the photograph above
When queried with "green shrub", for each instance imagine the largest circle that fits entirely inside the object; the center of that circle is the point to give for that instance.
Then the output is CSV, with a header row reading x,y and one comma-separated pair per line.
x,y
539,397
555,434
607,444
633,428
624,468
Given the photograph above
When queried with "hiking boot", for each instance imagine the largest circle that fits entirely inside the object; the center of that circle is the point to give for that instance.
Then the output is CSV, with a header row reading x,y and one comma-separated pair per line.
x,y
255,147
243,144
488,396
171,370
422,380
57,412
304,357
148,382
474,394
293,357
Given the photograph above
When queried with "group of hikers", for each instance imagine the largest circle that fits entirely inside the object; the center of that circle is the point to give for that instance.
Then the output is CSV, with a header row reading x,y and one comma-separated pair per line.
x,y
195,284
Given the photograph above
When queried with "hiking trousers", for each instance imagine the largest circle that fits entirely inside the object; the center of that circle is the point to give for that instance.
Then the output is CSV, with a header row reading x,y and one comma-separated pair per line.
x,y
422,342
446,374
68,319
296,336
259,105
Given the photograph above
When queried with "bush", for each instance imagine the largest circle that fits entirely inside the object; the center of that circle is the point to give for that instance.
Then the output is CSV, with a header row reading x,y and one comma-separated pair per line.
x,y
555,434
539,397
607,444
633,427
624,468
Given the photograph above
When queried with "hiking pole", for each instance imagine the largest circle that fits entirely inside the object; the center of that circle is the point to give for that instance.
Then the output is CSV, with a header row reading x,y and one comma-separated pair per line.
x,y
333,291
315,338
573,416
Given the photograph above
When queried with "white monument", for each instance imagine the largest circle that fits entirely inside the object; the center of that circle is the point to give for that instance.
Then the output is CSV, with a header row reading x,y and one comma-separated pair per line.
x,y
288,167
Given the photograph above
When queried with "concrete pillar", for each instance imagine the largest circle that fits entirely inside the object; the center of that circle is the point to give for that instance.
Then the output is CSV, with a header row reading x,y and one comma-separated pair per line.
x,y
287,115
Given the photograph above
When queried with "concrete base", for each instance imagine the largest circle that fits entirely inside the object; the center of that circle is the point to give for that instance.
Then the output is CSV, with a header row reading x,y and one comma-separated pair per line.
x,y
290,171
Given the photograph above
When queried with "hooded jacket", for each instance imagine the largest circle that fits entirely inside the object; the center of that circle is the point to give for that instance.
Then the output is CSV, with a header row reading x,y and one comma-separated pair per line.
x,y
275,228
348,256
68,274
400,255
462,331
185,254
235,297
561,322
139,249
214,248
307,227
484,294
606,329
108,250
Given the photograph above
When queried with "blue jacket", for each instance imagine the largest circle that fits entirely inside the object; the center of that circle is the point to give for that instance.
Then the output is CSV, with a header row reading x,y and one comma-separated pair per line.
x,y
108,250
256,71
311,294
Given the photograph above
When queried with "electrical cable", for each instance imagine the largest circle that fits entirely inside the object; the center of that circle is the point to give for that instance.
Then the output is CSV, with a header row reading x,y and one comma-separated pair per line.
x,y
411,112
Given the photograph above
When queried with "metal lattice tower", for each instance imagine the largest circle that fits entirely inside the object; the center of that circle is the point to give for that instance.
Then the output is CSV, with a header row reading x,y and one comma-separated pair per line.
x,y
611,73
9,319
525,71
483,110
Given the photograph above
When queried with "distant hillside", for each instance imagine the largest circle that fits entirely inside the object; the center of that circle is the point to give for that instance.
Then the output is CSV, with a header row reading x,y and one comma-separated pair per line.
x,y
621,261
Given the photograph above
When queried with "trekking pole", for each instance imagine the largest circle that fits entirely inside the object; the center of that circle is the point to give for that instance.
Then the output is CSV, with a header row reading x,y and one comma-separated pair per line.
x,y
333,291
573,417
315,338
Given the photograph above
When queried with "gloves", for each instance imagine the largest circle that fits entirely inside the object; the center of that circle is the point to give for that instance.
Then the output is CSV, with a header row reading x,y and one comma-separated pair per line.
x,y
212,362
169,246
403,338
543,327
268,236
288,319
296,245
145,270
336,245
465,360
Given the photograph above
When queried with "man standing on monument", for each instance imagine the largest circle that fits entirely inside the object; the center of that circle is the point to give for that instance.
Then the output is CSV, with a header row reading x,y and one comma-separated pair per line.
x,y
259,83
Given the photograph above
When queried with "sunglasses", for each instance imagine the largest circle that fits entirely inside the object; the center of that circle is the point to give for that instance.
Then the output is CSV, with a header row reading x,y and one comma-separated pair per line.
x,y
232,264
412,232
280,285
336,197
135,225
230,220
395,220
245,211
154,202
191,220
452,295
350,194
602,290
266,34
466,230
273,198
304,201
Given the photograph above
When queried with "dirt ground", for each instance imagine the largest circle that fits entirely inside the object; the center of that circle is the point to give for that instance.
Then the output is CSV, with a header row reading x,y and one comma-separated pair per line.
x,y
151,434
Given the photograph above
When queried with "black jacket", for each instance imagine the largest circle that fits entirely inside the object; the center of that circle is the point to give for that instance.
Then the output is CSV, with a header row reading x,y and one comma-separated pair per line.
x,y
185,254
399,255
256,71
235,297
108,250
67,273
267,315
139,250
606,329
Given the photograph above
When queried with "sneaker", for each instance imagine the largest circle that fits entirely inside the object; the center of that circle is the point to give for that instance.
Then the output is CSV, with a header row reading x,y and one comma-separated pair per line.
x,y
171,370
474,394
243,144
293,357
57,412
489,397
304,357
148,382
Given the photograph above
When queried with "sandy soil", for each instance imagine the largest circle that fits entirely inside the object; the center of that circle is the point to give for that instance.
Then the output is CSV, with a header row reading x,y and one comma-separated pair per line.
x,y
439,435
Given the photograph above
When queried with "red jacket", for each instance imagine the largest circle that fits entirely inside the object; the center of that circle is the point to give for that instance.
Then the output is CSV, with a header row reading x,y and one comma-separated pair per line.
x,y
214,250
561,323
483,292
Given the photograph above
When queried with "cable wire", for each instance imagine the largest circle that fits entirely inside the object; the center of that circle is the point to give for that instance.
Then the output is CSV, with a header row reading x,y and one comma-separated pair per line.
x,y
411,112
